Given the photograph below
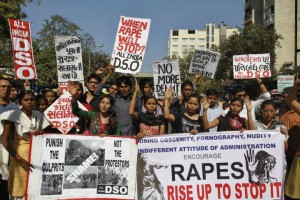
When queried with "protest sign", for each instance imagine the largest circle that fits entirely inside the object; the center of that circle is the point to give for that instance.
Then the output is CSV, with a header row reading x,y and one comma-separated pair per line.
x,y
60,113
130,44
204,63
82,167
69,58
166,73
284,81
228,165
22,49
251,65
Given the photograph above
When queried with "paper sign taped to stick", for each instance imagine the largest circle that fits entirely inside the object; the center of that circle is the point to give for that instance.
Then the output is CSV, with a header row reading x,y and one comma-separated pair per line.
x,y
204,63
166,73
130,44
251,65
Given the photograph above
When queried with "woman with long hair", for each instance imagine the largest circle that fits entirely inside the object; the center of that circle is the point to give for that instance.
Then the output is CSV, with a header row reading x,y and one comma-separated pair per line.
x,y
19,124
149,123
101,123
232,120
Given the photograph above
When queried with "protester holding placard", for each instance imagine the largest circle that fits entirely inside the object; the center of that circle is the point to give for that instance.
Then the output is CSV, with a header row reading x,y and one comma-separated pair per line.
x,y
187,122
102,122
242,93
24,122
232,121
149,123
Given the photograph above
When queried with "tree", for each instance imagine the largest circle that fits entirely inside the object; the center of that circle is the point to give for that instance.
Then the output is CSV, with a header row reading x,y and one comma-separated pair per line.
x,y
252,39
9,10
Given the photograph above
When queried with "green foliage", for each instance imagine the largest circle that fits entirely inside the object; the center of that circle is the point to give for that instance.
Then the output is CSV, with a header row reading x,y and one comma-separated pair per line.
x,y
9,10
44,49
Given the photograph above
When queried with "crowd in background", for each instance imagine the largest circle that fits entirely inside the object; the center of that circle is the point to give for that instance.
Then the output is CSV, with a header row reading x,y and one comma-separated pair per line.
x,y
126,107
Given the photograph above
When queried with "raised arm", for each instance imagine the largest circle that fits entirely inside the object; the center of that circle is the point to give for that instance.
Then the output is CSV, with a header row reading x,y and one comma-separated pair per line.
x,y
207,125
250,123
110,70
131,111
263,90
167,115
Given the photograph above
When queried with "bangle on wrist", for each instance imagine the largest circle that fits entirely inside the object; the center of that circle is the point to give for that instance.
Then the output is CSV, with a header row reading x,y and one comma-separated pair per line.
x,y
261,83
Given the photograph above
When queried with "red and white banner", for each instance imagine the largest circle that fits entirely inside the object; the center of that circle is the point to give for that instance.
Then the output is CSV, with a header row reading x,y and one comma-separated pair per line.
x,y
60,113
251,65
130,44
226,165
22,49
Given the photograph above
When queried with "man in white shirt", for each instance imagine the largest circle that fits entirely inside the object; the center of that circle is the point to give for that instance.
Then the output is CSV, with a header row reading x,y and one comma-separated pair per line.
x,y
5,105
214,110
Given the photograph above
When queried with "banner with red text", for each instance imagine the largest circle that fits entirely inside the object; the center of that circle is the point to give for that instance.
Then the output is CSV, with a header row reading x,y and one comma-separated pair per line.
x,y
22,49
68,58
251,65
130,44
82,167
204,62
60,113
166,73
227,165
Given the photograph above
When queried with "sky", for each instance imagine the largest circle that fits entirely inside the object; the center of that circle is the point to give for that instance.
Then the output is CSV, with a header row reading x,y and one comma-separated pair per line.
x,y
101,18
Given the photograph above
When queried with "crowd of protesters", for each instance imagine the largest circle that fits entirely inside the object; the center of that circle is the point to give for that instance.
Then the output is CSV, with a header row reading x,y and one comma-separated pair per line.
x,y
126,107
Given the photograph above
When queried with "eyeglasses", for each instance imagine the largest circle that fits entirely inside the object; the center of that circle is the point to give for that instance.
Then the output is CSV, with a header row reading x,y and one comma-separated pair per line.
x,y
268,111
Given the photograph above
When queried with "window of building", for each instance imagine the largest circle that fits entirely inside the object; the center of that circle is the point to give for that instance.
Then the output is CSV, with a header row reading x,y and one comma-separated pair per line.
x,y
191,31
192,39
184,47
207,45
184,39
207,38
213,39
201,46
175,39
192,46
175,32
175,46
201,39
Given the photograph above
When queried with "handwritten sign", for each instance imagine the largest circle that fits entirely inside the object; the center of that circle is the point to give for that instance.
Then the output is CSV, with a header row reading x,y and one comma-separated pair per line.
x,y
68,58
60,113
22,49
130,44
204,62
166,73
251,65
